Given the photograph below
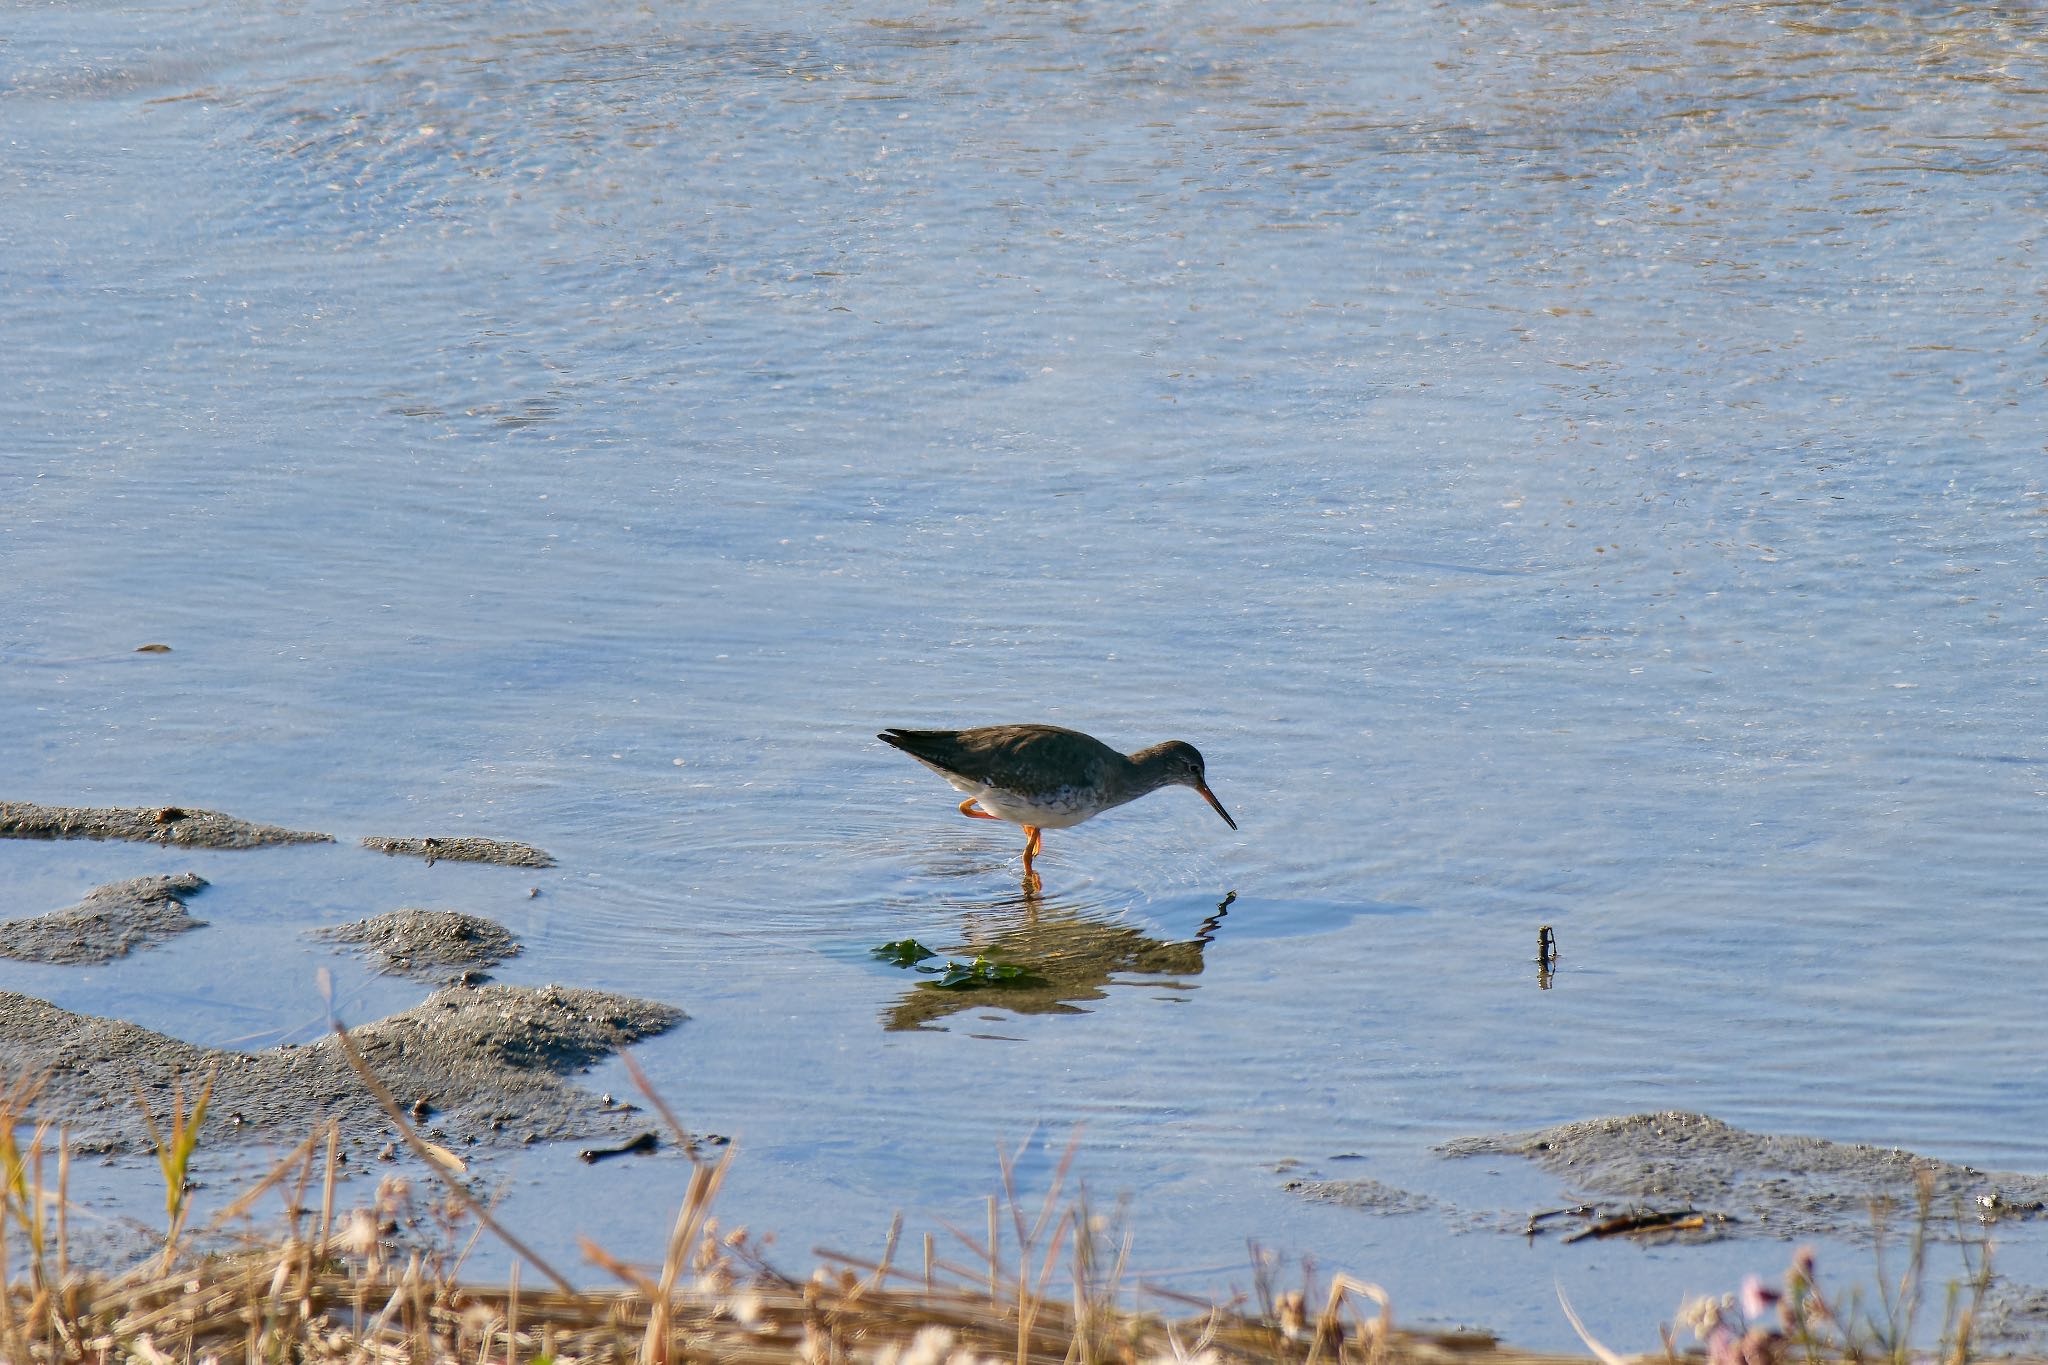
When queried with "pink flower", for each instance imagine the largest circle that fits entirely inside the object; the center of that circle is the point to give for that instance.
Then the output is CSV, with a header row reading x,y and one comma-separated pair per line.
x,y
1758,1298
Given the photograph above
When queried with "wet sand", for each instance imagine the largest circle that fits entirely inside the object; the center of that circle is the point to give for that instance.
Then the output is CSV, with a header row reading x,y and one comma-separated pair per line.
x,y
110,922
427,944
487,1063
1365,1195
484,1063
503,852
146,824
1768,1184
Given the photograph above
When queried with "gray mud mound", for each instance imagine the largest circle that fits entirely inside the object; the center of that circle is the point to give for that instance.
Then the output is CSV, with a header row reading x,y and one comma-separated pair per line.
x,y
112,921
2015,1316
145,824
500,851
484,1063
1367,1195
426,943
1787,1186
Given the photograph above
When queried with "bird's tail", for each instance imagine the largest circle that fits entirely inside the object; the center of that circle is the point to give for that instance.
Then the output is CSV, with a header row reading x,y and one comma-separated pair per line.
x,y
928,745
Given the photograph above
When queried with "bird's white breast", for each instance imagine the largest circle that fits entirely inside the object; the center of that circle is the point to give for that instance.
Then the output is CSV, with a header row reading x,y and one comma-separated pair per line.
x,y
1053,810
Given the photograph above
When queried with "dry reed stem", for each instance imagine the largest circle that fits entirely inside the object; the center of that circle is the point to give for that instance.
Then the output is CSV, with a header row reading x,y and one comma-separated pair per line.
x,y
654,1097
427,1152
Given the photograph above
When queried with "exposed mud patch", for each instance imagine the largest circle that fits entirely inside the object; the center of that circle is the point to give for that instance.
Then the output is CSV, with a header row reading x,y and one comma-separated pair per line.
x,y
1366,1195
426,944
112,921
1781,1186
145,824
2015,1315
464,850
484,1064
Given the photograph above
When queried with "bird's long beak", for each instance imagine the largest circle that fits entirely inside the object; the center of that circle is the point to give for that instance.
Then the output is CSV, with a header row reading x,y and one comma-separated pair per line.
x,y
1210,796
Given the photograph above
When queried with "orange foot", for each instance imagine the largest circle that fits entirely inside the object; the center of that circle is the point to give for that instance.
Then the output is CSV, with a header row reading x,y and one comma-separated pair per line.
x,y
974,812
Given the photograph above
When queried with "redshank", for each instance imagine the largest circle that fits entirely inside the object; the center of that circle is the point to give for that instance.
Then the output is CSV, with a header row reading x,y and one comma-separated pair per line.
x,y
1047,777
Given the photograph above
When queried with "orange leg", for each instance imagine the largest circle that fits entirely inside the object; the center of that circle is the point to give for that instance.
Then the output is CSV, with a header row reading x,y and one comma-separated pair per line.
x,y
1031,846
974,812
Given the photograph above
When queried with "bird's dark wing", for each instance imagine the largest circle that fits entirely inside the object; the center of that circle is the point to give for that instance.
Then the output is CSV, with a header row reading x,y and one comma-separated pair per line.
x,y
1022,758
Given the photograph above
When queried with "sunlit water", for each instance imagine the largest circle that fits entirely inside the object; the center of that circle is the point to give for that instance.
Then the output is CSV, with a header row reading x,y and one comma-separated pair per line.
x,y
1561,464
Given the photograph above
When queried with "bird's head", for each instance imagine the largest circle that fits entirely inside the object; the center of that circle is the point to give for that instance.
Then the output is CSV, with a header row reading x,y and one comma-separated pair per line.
x,y
1178,763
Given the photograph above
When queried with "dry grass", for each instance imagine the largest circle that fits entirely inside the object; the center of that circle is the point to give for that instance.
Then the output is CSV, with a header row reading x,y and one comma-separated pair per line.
x,y
299,1302
384,1284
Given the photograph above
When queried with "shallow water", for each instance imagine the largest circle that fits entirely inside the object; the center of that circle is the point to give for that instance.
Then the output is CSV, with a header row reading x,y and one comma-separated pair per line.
x,y
1560,466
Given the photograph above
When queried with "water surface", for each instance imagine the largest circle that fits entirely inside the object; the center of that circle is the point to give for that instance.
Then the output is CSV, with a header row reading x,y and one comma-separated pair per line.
x,y
1560,465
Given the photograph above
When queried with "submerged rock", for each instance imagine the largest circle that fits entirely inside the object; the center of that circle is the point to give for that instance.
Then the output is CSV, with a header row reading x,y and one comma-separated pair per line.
x,y
487,1062
112,921
464,850
1365,1194
145,824
1788,1186
424,943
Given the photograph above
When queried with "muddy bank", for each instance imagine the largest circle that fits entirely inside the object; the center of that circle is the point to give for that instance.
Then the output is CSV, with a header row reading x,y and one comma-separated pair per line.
x,y
500,851
145,824
112,921
426,944
1778,1186
483,1064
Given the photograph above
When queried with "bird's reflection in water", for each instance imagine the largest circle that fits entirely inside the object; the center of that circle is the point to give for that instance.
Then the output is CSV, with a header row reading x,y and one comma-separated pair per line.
x,y
1069,958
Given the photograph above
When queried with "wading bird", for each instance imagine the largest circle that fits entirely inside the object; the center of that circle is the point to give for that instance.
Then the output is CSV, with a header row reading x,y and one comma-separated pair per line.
x,y
1047,777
